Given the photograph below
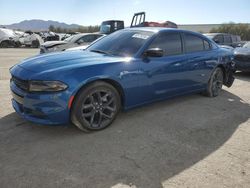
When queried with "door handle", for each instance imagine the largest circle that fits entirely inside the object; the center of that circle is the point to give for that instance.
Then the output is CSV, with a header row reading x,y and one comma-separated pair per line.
x,y
196,65
177,64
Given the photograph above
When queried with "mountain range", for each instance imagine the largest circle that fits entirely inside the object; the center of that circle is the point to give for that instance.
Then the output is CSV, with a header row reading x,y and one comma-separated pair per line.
x,y
39,25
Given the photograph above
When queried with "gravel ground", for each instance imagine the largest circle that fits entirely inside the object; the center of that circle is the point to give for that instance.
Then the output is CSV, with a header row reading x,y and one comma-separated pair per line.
x,y
189,141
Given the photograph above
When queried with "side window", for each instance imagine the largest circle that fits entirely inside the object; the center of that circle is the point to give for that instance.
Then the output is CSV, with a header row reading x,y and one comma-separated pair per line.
x,y
206,45
238,38
170,43
227,39
86,38
219,39
234,38
97,36
193,43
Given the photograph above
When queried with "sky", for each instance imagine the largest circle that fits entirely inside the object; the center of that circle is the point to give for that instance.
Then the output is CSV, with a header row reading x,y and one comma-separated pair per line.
x,y
93,12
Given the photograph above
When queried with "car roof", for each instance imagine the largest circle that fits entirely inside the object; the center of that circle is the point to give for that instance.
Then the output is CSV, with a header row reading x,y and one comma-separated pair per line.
x,y
162,29
159,29
83,34
152,29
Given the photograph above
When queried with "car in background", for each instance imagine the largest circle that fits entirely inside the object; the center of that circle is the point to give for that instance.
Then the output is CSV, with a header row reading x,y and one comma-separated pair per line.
x,y
29,39
138,20
83,47
225,39
63,36
72,41
227,47
49,36
126,69
110,26
8,38
242,58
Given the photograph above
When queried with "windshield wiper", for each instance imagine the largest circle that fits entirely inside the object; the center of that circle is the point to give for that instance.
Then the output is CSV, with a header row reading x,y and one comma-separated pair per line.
x,y
101,52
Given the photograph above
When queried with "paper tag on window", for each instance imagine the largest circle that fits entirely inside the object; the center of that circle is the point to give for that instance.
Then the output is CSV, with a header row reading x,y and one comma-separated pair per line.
x,y
140,36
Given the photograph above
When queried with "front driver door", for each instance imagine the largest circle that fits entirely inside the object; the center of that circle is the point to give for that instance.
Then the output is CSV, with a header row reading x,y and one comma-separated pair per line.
x,y
171,74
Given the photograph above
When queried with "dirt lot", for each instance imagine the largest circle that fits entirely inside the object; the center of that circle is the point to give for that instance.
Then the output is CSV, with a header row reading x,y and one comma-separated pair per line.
x,y
190,141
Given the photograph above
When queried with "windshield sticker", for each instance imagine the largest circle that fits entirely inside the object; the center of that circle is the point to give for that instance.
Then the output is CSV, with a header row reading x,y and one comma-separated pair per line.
x,y
140,36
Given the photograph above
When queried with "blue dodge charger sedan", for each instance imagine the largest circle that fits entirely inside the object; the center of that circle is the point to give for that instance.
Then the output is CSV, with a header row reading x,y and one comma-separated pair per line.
x,y
126,69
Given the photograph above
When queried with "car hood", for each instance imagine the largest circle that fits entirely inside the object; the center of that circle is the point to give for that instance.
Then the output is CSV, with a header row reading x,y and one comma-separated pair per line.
x,y
67,59
49,44
226,47
78,48
242,51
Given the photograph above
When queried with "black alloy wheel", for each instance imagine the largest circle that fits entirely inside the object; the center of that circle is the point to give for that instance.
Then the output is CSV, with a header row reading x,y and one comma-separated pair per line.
x,y
215,83
96,107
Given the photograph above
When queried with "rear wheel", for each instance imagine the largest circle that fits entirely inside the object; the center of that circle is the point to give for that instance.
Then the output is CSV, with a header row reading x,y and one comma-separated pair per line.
x,y
215,83
96,107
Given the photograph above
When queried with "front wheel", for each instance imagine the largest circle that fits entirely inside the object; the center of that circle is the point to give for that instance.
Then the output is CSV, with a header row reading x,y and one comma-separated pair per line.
x,y
95,107
18,44
4,44
215,83
35,44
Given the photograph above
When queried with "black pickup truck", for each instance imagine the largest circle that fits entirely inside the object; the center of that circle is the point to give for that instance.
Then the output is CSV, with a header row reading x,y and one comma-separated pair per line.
x,y
225,39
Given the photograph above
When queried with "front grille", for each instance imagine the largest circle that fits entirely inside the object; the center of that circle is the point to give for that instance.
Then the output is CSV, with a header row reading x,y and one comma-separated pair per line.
x,y
22,84
243,58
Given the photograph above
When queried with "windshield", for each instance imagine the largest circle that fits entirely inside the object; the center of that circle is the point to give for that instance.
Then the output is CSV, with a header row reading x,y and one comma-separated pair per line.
x,y
69,39
247,45
122,43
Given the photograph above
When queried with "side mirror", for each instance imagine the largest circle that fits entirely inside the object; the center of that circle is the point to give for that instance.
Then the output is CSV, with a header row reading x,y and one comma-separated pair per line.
x,y
153,52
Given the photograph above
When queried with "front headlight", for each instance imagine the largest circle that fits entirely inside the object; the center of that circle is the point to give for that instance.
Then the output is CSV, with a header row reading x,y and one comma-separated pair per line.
x,y
46,86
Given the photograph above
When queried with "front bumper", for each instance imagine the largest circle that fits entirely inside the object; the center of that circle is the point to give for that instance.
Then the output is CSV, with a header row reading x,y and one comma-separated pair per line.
x,y
42,50
47,108
230,78
242,65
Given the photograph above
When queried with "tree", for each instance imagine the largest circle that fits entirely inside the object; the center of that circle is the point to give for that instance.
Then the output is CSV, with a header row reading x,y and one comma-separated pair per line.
x,y
81,29
58,30
51,28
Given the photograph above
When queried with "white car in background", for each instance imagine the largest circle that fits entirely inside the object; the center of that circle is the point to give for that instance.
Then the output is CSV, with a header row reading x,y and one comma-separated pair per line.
x,y
73,41
77,48
8,38
83,47
29,39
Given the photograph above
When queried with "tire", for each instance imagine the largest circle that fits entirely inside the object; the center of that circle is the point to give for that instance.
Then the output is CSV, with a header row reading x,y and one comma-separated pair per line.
x,y
18,44
4,44
35,44
215,83
95,107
